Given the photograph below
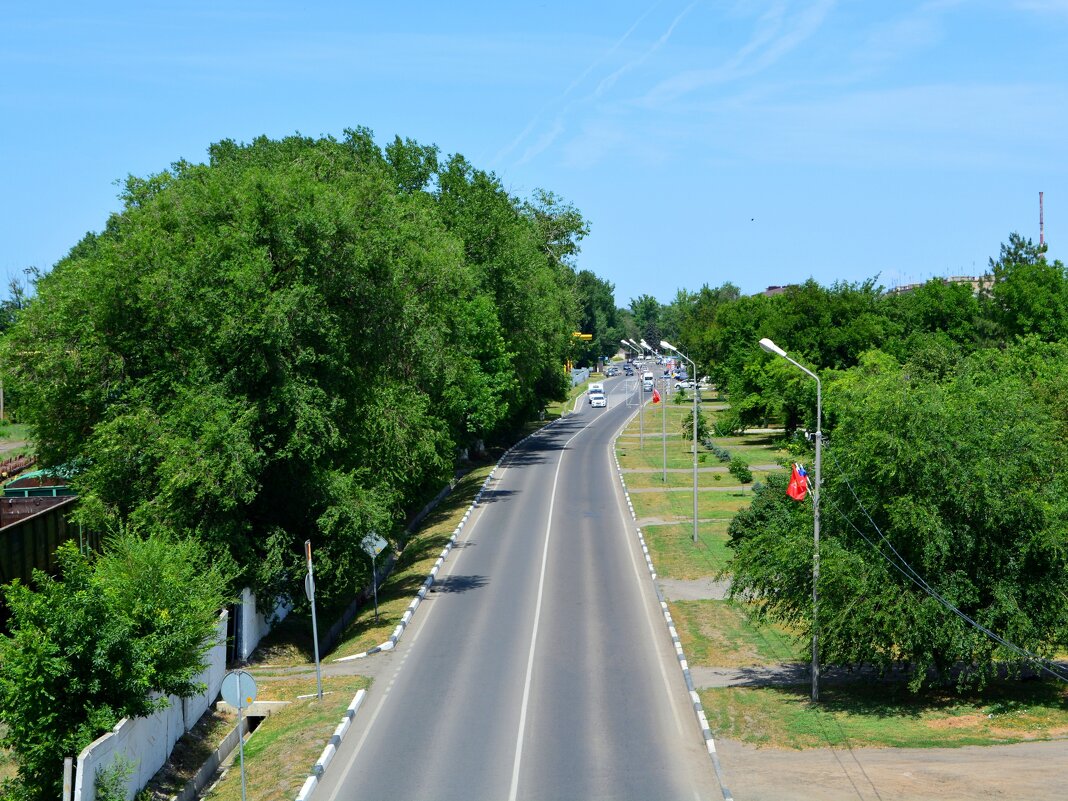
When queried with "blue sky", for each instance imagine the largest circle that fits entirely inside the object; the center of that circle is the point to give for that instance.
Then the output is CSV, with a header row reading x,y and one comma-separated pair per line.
x,y
758,142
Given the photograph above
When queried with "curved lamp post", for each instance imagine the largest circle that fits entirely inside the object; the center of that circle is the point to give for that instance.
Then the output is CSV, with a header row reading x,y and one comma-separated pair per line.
x,y
673,349
771,347
641,421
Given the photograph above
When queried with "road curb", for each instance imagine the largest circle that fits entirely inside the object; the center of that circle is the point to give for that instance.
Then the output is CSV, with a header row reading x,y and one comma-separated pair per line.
x,y
409,613
698,709
331,747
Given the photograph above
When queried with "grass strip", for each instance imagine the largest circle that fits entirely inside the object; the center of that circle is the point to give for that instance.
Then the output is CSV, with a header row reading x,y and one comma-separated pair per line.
x,y
886,714
675,555
722,634
721,478
281,752
679,505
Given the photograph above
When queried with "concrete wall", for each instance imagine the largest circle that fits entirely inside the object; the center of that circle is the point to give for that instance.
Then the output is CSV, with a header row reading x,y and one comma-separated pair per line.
x,y
145,743
255,623
578,375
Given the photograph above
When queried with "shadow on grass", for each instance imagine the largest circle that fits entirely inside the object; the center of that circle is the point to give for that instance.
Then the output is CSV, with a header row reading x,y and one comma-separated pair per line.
x,y
871,697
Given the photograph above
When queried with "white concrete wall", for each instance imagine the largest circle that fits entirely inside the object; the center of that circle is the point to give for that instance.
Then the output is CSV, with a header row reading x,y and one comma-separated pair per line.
x,y
255,623
147,742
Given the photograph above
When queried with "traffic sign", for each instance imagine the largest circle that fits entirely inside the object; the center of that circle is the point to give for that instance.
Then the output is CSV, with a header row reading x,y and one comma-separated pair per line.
x,y
373,544
239,689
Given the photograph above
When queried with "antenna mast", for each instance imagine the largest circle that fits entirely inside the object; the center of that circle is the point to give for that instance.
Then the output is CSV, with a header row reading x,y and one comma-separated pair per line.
x,y
1041,223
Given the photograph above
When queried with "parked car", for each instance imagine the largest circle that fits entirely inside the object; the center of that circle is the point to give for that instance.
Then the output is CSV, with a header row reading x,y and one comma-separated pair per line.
x,y
685,384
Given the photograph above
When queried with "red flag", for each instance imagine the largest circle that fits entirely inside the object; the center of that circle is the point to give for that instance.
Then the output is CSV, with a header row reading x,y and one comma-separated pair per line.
x,y
798,486
656,396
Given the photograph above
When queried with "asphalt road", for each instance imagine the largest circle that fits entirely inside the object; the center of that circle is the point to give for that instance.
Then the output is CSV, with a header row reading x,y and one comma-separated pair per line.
x,y
540,667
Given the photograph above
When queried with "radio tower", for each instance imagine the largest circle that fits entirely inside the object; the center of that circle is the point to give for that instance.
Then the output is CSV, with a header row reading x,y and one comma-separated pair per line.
x,y
1041,223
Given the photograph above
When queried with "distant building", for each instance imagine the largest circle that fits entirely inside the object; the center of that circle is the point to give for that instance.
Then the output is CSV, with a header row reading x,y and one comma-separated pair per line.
x,y
978,283
771,291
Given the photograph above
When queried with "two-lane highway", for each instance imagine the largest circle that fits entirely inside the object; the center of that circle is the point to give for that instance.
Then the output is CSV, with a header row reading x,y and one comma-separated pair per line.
x,y
540,668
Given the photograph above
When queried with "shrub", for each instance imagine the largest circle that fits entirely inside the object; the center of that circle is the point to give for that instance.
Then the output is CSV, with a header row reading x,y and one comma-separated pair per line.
x,y
740,470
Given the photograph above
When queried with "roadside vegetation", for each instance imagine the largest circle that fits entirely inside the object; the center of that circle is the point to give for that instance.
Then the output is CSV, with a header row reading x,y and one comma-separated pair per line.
x,y
279,755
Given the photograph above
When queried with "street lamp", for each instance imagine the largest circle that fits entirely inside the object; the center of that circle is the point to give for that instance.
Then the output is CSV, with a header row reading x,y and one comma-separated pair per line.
x,y
680,354
641,421
771,347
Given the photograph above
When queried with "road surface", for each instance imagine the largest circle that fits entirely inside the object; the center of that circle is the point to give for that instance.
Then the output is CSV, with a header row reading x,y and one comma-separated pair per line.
x,y
540,667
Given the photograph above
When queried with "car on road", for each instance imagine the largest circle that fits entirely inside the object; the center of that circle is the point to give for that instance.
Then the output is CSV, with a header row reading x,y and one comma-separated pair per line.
x,y
598,400
611,371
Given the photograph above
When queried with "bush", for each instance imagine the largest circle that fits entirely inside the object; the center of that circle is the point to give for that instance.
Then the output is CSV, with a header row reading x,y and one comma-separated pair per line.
x,y
728,424
721,453
740,470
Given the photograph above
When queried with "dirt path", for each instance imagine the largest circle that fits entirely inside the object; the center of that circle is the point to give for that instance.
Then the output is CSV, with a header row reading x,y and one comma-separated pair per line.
x,y
1031,771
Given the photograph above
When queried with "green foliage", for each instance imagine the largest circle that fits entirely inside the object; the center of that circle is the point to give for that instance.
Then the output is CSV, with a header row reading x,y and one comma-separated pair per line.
x,y
739,468
294,341
110,782
728,424
113,637
962,467
721,453
702,426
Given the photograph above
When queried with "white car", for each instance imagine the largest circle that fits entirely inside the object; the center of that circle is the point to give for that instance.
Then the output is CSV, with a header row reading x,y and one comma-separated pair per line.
x,y
598,400
685,384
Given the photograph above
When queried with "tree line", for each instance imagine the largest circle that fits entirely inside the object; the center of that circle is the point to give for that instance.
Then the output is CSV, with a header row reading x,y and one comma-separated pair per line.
x,y
944,543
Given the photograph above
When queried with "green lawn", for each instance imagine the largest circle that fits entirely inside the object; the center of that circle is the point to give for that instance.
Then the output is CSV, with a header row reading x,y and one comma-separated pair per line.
x,y
675,554
722,634
708,480
870,714
679,505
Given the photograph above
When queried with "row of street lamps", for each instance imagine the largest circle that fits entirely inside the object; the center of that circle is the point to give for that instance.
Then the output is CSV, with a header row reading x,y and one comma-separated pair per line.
x,y
772,348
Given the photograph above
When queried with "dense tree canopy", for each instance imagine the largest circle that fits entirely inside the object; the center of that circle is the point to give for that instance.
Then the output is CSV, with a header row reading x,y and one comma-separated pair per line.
x,y
294,341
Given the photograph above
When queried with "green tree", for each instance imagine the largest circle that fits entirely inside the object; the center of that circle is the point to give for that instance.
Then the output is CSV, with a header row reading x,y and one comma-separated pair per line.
x,y
1029,295
111,638
646,311
686,427
597,314
960,464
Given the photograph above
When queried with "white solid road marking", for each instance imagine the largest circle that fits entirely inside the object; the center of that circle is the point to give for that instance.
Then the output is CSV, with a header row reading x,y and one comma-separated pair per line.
x,y
537,619
638,577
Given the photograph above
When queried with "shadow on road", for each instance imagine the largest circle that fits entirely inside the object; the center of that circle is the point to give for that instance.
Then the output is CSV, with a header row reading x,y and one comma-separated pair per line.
x,y
459,584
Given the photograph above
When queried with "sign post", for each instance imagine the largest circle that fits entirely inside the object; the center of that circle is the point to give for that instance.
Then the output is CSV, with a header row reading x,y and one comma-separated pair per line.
x,y
374,545
309,590
239,691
